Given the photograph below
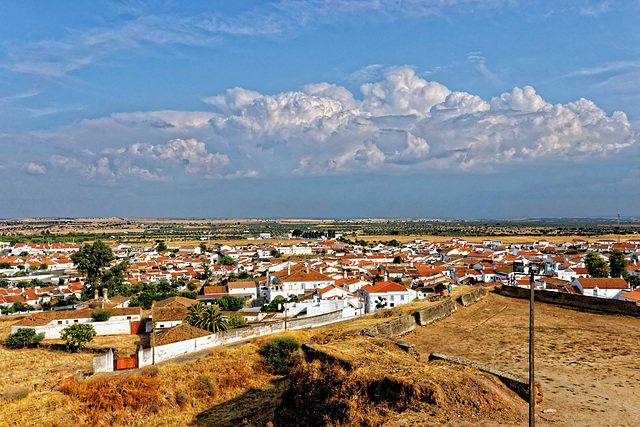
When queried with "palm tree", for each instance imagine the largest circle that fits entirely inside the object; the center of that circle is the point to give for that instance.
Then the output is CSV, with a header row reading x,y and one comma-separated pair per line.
x,y
213,320
193,314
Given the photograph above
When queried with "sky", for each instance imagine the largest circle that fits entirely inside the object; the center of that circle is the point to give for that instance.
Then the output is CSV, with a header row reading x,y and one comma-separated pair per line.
x,y
457,109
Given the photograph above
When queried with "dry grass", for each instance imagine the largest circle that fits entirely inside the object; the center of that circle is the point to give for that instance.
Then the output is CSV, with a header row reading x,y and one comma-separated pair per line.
x,y
22,368
117,400
386,382
520,238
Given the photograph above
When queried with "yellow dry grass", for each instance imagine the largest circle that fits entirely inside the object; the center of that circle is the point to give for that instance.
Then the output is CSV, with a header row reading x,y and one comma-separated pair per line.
x,y
22,368
521,238
184,391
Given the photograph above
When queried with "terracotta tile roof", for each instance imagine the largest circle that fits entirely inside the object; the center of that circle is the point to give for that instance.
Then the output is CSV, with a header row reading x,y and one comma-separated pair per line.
x,y
174,302
46,317
209,290
241,285
166,314
381,287
603,283
300,273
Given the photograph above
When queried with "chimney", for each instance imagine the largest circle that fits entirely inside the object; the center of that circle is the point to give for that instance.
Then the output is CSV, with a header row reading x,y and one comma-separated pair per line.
x,y
307,269
386,275
105,294
96,294
289,269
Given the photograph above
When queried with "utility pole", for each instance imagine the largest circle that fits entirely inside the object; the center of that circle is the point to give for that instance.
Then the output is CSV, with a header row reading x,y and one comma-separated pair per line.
x,y
534,268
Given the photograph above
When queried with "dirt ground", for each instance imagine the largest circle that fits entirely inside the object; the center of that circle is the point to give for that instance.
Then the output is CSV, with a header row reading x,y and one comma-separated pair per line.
x,y
587,363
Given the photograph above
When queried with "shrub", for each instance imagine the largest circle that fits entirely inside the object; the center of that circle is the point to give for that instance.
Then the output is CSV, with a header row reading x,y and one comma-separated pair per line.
x,y
150,371
101,315
23,337
236,321
277,354
78,334
182,399
20,394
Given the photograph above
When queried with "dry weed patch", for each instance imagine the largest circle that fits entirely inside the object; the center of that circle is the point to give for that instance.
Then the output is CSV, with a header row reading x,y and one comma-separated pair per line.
x,y
382,382
109,401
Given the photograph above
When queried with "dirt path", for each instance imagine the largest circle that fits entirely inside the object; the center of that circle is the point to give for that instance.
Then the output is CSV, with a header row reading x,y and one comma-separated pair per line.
x,y
588,364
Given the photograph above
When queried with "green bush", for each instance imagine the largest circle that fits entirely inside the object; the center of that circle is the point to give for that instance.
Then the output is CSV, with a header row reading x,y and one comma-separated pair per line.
x,y
101,315
277,354
236,321
23,337
20,394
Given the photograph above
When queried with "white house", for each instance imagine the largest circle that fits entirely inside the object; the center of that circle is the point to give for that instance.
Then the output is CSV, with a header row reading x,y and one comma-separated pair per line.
x,y
296,281
122,321
386,295
601,287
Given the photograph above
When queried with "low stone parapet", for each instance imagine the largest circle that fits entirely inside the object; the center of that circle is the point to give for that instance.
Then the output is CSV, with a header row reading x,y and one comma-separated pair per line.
x,y
518,384
472,297
435,312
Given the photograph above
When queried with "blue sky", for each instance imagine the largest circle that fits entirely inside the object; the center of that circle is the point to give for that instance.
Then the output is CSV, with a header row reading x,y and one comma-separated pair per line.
x,y
320,109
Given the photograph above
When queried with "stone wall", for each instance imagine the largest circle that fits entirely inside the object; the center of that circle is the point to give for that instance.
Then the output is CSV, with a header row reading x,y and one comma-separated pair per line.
x,y
435,312
516,383
472,297
392,328
604,305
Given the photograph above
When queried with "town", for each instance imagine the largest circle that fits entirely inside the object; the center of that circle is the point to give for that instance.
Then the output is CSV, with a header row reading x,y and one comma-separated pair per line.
x,y
295,279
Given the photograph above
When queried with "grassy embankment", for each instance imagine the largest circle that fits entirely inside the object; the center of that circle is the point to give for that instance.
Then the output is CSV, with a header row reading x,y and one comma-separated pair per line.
x,y
230,385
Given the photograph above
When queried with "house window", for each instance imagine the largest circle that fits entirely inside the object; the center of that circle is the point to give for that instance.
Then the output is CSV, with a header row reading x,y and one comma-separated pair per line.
x,y
128,317
75,321
391,298
59,322
401,297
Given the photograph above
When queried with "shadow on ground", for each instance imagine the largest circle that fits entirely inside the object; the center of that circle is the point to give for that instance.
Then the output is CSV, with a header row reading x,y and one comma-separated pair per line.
x,y
253,408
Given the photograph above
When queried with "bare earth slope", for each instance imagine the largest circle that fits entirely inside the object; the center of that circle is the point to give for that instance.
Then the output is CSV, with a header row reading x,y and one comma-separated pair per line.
x,y
588,364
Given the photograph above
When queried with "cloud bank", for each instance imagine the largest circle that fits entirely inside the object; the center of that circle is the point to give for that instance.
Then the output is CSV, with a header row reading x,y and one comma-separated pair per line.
x,y
400,123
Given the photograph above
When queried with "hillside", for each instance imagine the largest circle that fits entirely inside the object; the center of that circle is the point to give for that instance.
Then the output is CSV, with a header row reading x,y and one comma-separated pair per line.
x,y
585,362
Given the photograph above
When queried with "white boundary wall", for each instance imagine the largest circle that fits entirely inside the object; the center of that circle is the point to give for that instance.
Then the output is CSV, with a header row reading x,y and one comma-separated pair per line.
x,y
170,351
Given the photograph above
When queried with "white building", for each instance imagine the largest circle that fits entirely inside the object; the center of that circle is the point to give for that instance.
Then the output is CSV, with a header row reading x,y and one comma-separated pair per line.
x,y
386,295
601,287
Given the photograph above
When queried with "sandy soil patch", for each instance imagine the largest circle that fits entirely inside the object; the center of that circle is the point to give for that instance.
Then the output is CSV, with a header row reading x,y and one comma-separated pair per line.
x,y
587,363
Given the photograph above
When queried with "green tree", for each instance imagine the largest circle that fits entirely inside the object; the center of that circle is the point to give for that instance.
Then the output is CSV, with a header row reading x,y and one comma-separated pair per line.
x,y
162,246
275,253
596,266
213,320
90,259
78,334
398,260
236,321
618,265
101,315
44,266
5,265
381,303
23,337
277,354
203,248
194,314
114,280
227,260
231,303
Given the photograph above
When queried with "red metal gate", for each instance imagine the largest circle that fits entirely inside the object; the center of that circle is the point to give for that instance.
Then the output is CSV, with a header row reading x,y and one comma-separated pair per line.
x,y
126,363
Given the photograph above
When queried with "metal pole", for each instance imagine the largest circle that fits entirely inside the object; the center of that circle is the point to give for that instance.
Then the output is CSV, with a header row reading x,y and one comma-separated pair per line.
x,y
532,395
